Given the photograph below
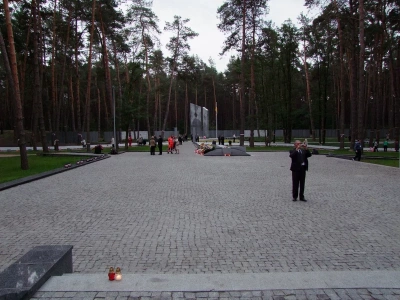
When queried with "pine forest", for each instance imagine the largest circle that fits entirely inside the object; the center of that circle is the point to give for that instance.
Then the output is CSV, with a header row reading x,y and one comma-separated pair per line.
x,y
65,64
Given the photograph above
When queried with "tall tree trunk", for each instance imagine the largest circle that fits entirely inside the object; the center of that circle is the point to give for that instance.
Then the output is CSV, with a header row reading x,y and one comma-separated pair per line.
x,y
186,108
89,78
176,106
172,76
10,92
156,103
62,90
15,86
397,98
106,67
42,125
242,81
23,67
37,80
116,63
252,80
144,41
341,79
309,101
72,97
77,89
215,101
361,73
353,76
159,106
392,97
98,112
53,72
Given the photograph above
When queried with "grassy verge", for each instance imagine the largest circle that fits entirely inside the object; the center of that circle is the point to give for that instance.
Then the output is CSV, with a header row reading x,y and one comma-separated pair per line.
x,y
268,149
390,159
389,163
145,148
10,167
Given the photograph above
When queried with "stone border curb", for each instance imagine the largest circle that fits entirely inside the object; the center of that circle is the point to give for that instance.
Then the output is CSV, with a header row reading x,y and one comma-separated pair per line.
x,y
224,282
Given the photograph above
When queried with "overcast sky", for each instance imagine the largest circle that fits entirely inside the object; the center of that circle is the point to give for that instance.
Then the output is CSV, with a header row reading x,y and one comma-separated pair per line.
x,y
203,20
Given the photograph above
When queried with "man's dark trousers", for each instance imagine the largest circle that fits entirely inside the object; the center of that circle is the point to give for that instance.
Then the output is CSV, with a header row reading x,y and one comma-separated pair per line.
x,y
358,155
298,178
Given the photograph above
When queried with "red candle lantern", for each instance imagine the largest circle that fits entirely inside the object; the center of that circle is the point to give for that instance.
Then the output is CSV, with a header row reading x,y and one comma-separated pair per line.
x,y
111,274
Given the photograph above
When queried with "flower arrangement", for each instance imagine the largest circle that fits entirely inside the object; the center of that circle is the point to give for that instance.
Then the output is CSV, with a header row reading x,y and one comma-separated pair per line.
x,y
204,148
98,149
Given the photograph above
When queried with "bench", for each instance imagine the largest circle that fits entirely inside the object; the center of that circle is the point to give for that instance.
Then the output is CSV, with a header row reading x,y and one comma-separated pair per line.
x,y
22,279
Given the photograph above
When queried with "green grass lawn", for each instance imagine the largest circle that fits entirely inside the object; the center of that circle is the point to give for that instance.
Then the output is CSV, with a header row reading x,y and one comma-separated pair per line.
x,y
145,148
268,149
10,167
389,163
392,158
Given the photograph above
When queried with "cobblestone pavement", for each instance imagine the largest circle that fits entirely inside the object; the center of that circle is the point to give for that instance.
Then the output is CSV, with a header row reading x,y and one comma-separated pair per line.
x,y
186,213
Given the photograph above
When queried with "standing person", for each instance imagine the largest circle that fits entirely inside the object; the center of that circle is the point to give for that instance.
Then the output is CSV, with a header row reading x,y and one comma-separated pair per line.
x,y
53,138
396,145
376,144
170,144
79,139
176,147
152,144
357,149
385,145
130,141
234,137
56,145
219,140
159,142
299,166
112,142
180,140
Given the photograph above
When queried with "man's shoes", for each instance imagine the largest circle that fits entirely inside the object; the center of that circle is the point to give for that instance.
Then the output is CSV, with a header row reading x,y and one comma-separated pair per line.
x,y
303,200
294,199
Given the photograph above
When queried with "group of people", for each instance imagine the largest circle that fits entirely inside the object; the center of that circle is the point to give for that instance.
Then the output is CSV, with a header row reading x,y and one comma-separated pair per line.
x,y
374,148
173,144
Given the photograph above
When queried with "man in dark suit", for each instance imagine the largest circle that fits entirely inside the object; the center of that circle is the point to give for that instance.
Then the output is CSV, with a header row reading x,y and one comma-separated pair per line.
x,y
299,166
159,142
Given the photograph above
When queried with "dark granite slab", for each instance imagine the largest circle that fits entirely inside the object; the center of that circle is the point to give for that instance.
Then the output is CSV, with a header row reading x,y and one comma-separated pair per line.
x,y
231,151
24,277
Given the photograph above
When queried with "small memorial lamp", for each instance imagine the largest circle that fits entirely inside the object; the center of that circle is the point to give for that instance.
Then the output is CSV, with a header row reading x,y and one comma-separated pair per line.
x,y
118,274
111,274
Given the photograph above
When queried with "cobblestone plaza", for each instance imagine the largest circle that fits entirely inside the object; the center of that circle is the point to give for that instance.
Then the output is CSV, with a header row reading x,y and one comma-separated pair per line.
x,y
189,214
